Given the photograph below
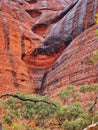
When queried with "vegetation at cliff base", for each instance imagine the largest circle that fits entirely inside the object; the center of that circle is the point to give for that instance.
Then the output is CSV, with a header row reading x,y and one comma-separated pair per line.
x,y
66,114
75,109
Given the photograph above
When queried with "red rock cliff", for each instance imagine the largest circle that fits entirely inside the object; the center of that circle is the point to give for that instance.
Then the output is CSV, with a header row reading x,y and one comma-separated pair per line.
x,y
46,45
22,28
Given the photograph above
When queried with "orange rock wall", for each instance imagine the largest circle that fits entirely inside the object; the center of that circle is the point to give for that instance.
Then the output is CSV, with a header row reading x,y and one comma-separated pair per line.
x,y
56,52
46,45
17,39
74,66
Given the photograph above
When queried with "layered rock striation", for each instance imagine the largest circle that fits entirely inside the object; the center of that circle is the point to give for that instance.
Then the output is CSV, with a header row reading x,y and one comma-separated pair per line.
x,y
74,66
17,39
46,45
68,44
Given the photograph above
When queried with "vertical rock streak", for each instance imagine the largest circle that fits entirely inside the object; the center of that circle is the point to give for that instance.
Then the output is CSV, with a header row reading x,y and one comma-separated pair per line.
x,y
7,47
78,22
90,13
84,17
7,41
22,42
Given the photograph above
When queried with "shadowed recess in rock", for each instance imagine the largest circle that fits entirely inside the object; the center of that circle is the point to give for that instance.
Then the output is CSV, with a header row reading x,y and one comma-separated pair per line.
x,y
68,68
81,17
34,13
40,28
31,1
58,40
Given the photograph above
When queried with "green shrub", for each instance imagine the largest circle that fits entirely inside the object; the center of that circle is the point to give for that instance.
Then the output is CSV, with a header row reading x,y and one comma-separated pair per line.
x,y
67,93
94,57
73,117
69,116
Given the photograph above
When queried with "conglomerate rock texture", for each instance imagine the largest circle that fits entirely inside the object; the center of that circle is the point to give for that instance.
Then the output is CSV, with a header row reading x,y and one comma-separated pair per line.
x,y
46,44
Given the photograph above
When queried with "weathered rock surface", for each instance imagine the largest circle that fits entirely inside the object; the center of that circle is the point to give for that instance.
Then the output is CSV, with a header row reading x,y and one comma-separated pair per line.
x,y
74,66
46,45
69,69
17,39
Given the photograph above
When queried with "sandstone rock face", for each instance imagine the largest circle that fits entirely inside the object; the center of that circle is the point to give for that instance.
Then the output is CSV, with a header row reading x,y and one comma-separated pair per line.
x,y
74,66
46,44
16,38
69,67
20,21
13,72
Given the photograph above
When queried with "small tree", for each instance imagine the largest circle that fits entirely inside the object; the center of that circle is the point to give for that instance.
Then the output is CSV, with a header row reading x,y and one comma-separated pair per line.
x,y
93,105
69,115
72,117
35,108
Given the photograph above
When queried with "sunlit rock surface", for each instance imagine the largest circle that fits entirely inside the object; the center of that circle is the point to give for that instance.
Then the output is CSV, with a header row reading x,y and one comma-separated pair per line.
x,y
56,44
46,44
74,66
17,39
